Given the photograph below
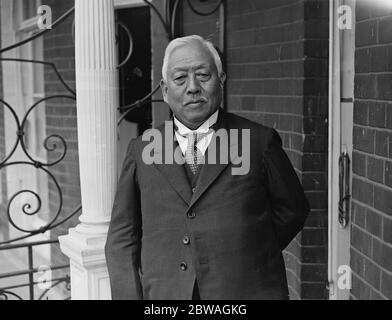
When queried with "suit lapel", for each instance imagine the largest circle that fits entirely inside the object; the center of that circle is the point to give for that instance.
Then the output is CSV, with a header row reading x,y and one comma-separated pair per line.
x,y
174,173
210,172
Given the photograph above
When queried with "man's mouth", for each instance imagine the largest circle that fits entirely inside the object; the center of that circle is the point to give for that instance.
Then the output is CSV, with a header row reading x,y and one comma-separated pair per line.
x,y
195,102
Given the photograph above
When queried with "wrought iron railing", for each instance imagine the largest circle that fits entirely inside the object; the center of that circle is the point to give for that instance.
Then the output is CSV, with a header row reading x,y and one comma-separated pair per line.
x,y
56,142
6,293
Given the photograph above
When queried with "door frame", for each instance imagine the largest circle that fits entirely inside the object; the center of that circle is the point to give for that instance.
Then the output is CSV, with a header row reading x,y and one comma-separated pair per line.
x,y
341,100
122,4
127,130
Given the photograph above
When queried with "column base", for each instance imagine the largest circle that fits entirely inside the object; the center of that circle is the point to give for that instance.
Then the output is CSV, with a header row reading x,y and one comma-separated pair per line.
x,y
89,275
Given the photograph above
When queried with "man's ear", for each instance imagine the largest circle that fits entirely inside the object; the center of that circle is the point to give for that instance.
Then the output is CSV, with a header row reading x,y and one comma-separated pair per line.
x,y
222,79
164,90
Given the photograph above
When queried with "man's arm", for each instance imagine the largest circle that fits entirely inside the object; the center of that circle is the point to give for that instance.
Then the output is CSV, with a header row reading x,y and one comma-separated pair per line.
x,y
123,243
289,204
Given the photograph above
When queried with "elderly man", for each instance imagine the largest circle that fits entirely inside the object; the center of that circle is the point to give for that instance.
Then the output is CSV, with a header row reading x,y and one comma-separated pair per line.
x,y
197,230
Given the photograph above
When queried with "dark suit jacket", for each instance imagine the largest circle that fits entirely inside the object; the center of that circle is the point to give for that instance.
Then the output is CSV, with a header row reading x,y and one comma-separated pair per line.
x,y
238,225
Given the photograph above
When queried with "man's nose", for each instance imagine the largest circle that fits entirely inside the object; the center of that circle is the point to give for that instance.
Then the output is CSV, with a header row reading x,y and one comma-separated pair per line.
x,y
193,85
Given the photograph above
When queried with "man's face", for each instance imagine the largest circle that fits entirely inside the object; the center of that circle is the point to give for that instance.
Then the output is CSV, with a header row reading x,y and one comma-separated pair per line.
x,y
193,88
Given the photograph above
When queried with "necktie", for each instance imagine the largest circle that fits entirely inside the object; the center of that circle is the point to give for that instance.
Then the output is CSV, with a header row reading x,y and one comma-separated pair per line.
x,y
193,156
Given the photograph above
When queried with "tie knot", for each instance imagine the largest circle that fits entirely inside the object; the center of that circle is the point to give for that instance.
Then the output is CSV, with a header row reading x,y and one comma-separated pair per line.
x,y
195,137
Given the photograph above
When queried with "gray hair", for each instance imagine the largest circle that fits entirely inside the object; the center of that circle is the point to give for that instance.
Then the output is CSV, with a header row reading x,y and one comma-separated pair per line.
x,y
178,42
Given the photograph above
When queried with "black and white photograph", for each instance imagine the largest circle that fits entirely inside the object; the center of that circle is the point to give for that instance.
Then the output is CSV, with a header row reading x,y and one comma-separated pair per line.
x,y
195,154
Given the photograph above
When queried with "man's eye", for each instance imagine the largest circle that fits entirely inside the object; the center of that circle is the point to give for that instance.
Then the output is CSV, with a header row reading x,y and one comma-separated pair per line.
x,y
179,78
203,76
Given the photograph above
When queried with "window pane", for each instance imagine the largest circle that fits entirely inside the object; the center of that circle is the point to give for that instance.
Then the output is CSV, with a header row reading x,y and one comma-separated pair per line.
x,y
27,136
42,190
38,72
26,71
40,130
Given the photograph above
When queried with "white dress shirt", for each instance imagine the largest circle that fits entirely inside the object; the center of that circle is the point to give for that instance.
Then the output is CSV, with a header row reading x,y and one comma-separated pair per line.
x,y
203,144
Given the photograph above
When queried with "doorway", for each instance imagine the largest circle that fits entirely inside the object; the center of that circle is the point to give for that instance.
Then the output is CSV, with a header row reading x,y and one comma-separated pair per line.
x,y
133,37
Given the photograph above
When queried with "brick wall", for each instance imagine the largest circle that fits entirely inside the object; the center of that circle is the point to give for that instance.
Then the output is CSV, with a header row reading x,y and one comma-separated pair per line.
x,y
371,233
277,67
59,49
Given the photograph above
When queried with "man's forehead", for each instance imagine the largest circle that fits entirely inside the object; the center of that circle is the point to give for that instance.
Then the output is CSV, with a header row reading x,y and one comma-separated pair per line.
x,y
187,66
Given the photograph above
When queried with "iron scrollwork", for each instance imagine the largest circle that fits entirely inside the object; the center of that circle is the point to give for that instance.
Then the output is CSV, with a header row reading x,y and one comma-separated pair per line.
x,y
51,143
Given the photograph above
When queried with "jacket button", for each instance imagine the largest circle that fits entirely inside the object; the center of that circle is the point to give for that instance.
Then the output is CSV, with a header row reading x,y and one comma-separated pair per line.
x,y
193,190
186,240
191,215
183,266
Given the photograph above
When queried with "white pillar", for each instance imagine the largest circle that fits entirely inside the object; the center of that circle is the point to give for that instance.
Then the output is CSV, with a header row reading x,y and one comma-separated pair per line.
x,y
97,103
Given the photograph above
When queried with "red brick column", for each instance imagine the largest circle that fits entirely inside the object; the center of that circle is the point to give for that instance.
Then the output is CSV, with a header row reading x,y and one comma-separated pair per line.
x,y
59,48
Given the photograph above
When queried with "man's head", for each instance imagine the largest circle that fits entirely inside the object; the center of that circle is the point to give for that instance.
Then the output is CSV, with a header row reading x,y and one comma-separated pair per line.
x,y
193,79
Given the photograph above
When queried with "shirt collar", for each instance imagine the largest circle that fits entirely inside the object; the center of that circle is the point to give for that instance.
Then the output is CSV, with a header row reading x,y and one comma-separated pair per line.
x,y
204,128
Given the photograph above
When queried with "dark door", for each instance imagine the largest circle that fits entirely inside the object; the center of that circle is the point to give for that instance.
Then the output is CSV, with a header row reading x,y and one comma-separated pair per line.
x,y
133,30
